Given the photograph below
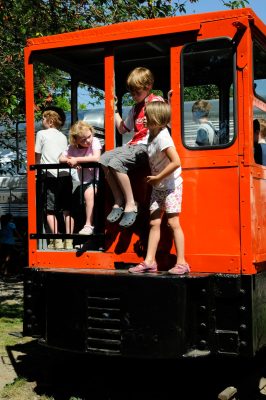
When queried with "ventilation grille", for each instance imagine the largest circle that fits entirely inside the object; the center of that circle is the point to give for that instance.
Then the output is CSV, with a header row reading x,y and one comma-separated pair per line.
x,y
104,325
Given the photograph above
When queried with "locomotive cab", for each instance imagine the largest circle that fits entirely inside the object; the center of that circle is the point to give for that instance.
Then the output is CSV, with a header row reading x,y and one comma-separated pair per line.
x,y
84,299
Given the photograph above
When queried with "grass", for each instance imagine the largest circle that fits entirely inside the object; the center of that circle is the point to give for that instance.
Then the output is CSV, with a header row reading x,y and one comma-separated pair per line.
x,y
20,389
11,321
11,314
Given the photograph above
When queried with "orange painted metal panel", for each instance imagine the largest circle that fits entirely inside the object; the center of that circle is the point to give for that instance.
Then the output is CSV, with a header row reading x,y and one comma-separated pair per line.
x,y
210,218
73,259
30,137
134,29
258,212
223,212
109,102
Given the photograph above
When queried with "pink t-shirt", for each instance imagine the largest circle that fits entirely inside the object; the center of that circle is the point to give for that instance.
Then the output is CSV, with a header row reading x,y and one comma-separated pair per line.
x,y
134,120
88,173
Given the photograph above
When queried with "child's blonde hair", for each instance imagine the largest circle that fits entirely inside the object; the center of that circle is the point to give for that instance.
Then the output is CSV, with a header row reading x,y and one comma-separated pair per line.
x,y
203,107
158,113
77,131
53,118
140,78
262,127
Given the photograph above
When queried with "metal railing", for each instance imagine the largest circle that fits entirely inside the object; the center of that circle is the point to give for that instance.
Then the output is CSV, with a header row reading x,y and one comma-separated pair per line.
x,y
77,207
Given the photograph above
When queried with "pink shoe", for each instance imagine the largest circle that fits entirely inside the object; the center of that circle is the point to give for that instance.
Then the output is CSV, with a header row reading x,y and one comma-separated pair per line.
x,y
179,269
143,267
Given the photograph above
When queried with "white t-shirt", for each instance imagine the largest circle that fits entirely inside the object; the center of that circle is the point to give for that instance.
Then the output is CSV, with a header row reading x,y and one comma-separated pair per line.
x,y
50,143
158,160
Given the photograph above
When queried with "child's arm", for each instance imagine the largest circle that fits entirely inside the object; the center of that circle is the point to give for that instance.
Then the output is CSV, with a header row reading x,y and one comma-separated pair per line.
x,y
90,158
64,158
174,159
119,123
37,158
71,161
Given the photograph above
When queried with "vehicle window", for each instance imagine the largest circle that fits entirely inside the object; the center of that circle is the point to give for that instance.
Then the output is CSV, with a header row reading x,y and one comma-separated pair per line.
x,y
259,130
208,100
259,70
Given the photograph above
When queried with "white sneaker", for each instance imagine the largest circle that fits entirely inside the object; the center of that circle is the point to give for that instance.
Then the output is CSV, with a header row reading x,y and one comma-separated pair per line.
x,y
69,244
51,245
59,245
87,230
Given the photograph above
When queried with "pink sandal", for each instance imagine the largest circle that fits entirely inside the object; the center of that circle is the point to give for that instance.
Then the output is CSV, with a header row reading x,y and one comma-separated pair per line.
x,y
143,267
179,269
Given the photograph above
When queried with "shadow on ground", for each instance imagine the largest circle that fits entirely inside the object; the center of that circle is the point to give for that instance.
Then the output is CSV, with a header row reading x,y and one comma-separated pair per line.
x,y
63,375
91,378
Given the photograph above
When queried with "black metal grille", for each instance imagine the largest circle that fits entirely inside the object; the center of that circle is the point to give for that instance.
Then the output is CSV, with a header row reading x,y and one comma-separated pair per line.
x,y
104,325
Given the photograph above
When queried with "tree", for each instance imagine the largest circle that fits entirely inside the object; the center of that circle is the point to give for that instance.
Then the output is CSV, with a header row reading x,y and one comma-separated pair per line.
x,y
22,19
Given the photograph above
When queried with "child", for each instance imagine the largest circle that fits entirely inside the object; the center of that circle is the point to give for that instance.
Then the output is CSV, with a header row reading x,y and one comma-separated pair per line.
x,y
7,242
260,141
118,162
84,147
166,184
50,143
206,131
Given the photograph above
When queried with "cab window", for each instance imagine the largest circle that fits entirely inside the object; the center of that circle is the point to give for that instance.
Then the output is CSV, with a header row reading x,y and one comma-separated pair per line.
x,y
208,99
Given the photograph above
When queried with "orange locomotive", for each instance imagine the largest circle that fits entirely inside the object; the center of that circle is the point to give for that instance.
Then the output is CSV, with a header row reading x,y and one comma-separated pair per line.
x,y
86,300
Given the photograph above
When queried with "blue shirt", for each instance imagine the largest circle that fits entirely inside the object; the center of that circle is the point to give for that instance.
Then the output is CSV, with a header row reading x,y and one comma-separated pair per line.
x,y
7,233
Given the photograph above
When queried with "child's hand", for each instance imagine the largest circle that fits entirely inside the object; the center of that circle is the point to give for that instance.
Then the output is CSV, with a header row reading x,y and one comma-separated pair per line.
x,y
169,96
72,162
115,103
152,180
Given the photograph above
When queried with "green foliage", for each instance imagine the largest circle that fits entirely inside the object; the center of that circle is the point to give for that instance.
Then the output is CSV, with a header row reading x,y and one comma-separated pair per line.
x,y
22,19
205,92
236,3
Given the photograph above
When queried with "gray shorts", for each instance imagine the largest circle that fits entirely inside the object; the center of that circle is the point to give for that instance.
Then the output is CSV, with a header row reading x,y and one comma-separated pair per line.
x,y
125,158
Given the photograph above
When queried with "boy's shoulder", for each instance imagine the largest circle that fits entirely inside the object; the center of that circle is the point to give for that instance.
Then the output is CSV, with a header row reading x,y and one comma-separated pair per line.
x,y
50,131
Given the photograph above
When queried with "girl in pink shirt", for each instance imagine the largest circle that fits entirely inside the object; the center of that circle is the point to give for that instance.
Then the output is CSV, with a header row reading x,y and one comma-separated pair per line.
x,y
83,148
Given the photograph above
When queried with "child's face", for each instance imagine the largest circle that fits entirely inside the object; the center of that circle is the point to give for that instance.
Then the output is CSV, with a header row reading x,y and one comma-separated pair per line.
x,y
140,94
85,139
147,123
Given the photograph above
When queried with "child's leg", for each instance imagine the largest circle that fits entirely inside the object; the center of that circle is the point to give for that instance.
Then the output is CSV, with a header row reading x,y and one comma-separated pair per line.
x,y
114,186
69,222
154,236
52,222
173,222
126,188
89,200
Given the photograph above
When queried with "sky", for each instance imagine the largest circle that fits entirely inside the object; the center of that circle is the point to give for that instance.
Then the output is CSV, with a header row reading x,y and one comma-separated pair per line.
x,y
258,6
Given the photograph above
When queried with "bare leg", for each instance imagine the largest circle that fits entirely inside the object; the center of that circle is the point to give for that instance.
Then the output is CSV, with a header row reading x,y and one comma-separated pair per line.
x,y
89,200
52,223
154,236
114,186
126,188
173,221
69,222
